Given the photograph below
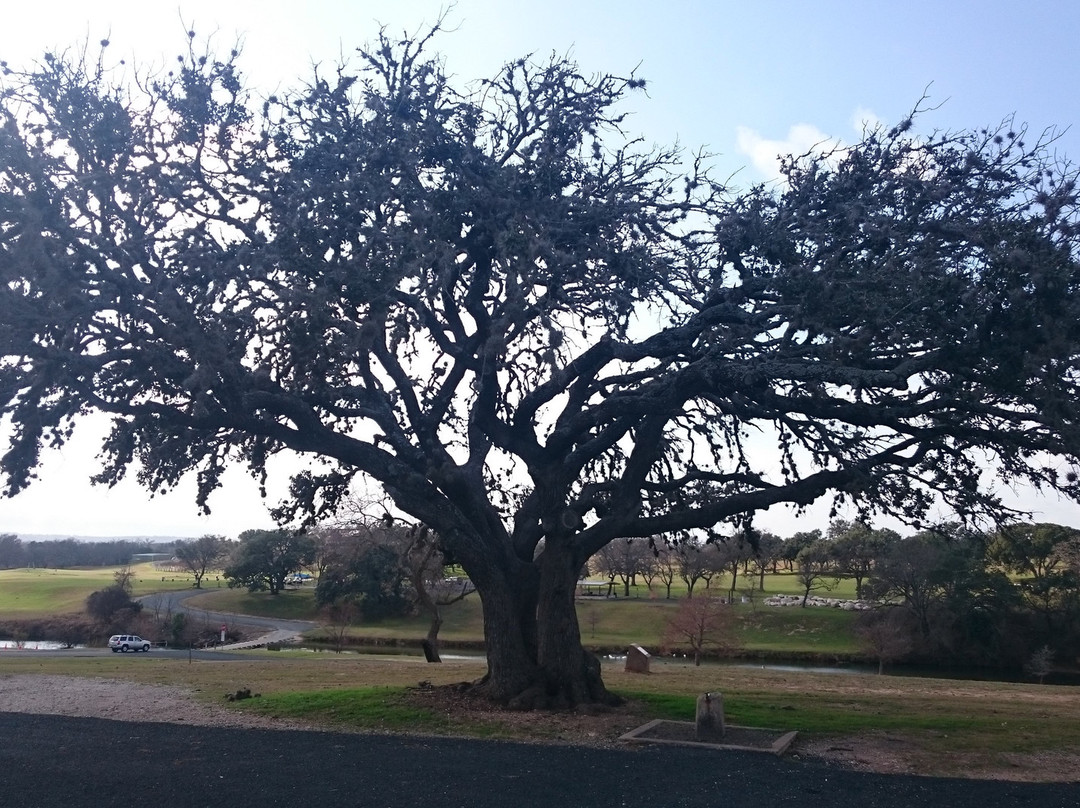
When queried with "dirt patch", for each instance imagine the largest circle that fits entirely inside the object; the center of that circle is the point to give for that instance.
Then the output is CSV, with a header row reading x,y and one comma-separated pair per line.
x,y
598,726
120,701
889,753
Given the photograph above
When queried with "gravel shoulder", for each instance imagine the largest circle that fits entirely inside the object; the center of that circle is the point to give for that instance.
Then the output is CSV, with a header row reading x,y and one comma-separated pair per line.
x,y
49,694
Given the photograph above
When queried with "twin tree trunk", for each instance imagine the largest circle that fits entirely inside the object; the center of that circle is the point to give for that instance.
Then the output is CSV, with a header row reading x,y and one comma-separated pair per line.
x,y
534,651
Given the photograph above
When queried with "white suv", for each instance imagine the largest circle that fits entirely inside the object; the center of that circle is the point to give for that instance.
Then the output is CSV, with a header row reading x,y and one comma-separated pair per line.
x,y
128,642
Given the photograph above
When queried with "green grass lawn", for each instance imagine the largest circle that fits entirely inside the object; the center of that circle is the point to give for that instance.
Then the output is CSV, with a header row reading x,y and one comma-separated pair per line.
x,y
609,623
292,604
796,630
606,623
29,593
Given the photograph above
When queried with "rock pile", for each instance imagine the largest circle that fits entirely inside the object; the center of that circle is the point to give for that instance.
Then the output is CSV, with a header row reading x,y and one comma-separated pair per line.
x,y
834,603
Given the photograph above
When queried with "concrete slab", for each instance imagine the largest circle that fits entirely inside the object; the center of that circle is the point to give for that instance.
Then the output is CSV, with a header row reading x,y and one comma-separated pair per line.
x,y
683,733
283,636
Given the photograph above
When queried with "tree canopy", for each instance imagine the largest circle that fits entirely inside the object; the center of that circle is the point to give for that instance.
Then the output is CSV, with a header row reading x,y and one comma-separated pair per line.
x,y
537,334
200,555
263,559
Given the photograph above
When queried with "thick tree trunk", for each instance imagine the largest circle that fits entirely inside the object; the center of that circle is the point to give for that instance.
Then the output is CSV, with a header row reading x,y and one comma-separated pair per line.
x,y
509,633
531,632
571,675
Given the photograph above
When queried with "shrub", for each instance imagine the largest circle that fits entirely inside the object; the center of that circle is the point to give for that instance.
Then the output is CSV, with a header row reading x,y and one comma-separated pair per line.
x,y
112,606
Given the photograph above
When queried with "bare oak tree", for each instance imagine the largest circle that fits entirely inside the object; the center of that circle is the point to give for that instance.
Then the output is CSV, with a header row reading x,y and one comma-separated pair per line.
x,y
201,554
885,634
702,624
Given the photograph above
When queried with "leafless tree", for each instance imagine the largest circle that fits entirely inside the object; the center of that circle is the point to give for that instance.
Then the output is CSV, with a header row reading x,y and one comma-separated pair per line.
x,y
624,560
815,569
886,634
201,555
667,566
1041,663
434,589
123,579
650,566
702,624
732,553
342,614
420,559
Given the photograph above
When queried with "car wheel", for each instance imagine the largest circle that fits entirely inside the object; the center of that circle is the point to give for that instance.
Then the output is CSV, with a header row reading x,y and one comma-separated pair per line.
x,y
123,648
146,648
116,650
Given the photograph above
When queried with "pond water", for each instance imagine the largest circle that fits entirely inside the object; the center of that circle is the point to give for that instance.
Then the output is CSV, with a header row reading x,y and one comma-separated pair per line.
x,y
788,667
385,652
1071,678
32,645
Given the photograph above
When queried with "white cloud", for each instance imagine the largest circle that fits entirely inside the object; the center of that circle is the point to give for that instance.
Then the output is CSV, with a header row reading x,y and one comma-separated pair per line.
x,y
765,154
863,120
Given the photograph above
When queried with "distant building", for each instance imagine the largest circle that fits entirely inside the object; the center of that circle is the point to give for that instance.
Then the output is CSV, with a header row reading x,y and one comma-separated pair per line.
x,y
140,558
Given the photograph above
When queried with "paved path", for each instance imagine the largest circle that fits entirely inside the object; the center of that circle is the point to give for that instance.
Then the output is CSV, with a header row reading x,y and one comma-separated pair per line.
x,y
54,761
278,635
267,629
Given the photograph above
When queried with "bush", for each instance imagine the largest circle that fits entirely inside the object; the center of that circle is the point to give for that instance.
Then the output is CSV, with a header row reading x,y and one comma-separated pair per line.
x,y
112,606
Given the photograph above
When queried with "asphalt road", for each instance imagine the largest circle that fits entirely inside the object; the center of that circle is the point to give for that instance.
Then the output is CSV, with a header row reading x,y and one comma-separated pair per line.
x,y
54,761
175,601
155,653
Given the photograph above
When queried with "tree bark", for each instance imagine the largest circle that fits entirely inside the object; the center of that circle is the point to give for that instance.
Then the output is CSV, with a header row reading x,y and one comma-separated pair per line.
x,y
430,643
508,611
571,675
431,648
531,632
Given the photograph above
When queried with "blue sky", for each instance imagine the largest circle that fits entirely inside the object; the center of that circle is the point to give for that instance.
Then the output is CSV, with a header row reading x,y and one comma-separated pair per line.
x,y
745,80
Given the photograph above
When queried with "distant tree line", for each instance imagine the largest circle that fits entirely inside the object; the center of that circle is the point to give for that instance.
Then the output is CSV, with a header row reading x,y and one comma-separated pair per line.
x,y
67,553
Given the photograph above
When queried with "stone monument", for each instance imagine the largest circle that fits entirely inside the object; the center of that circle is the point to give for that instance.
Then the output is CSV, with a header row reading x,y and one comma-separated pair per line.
x,y
637,659
709,722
